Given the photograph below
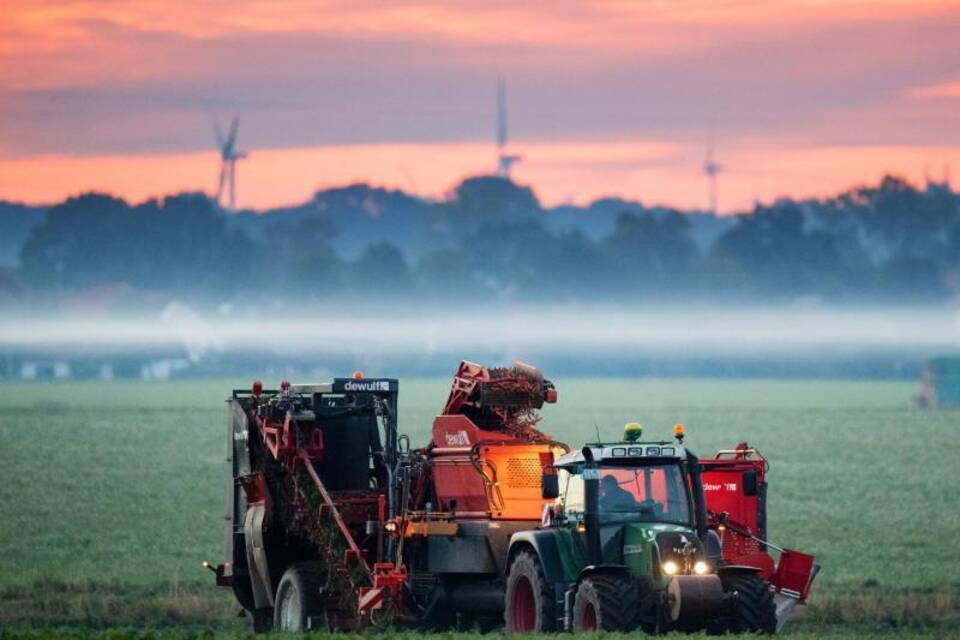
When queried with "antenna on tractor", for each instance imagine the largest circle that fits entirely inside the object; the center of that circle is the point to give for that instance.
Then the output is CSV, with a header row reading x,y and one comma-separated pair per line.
x,y
711,168
229,154
597,428
505,160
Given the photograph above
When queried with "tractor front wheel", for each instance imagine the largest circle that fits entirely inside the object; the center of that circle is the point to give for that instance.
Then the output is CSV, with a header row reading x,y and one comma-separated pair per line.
x,y
605,603
299,599
529,602
753,608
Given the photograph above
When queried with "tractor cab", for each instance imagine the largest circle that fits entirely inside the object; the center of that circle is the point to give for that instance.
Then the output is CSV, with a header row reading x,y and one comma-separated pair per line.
x,y
638,505
631,488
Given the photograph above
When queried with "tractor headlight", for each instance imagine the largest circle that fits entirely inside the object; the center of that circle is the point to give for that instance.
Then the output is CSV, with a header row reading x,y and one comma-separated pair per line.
x,y
670,567
700,567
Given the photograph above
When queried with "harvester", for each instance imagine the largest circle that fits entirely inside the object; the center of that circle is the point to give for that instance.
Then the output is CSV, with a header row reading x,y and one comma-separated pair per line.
x,y
334,522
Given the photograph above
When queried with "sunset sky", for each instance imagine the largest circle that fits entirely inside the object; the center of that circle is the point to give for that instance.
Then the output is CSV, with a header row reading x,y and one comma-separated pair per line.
x,y
804,97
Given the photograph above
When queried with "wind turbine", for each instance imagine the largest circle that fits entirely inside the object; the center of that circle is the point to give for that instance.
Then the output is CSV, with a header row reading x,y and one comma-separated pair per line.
x,y
505,160
711,168
229,154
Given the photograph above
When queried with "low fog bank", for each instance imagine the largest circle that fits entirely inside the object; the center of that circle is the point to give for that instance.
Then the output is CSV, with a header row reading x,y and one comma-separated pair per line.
x,y
566,340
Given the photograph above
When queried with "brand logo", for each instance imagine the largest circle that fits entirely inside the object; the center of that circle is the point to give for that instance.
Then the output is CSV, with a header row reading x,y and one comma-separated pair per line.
x,y
366,385
458,439
726,486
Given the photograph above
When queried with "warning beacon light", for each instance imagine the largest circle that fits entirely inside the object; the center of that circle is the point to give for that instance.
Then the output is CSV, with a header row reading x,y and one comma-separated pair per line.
x,y
679,431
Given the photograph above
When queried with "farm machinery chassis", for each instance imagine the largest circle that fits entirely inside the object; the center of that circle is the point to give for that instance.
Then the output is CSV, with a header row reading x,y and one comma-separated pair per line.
x,y
334,522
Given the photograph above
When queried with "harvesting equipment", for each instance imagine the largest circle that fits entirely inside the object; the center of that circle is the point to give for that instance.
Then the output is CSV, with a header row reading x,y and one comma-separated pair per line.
x,y
334,522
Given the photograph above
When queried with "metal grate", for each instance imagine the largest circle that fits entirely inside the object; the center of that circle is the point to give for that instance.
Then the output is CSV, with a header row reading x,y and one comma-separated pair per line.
x,y
523,473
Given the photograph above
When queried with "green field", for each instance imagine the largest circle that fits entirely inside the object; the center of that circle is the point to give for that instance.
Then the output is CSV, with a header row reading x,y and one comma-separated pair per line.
x,y
113,493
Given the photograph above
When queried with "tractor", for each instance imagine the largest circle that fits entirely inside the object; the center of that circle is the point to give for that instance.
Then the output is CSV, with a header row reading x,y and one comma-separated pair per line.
x,y
631,545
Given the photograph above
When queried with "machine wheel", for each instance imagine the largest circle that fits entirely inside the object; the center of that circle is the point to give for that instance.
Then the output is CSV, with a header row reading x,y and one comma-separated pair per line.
x,y
261,620
606,603
529,599
299,598
753,608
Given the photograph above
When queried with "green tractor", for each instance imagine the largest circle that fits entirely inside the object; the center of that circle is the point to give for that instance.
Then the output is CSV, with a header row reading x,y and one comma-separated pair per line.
x,y
628,546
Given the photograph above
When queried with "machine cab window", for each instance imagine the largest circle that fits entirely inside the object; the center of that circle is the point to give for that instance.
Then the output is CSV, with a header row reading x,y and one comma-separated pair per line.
x,y
573,499
651,493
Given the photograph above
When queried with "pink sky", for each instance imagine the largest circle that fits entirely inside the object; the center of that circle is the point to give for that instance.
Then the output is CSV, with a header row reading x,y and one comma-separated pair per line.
x,y
805,97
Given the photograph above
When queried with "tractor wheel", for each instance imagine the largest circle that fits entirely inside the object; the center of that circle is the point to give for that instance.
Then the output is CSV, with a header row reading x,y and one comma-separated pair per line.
x,y
606,603
753,608
261,620
299,599
529,602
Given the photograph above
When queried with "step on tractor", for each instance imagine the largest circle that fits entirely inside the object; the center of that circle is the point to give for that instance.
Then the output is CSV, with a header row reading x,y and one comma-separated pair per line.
x,y
333,521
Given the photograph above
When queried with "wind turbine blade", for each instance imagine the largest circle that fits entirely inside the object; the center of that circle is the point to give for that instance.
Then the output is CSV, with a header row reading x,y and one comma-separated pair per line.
x,y
217,131
232,136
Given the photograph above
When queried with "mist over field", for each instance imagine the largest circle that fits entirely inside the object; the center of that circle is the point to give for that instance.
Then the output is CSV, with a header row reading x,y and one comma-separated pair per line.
x,y
862,284
574,339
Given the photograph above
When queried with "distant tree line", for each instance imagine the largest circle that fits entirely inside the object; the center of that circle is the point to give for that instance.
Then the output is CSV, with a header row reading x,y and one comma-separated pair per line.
x,y
492,240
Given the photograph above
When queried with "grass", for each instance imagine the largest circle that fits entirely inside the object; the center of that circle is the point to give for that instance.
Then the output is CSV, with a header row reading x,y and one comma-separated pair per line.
x,y
133,634
113,493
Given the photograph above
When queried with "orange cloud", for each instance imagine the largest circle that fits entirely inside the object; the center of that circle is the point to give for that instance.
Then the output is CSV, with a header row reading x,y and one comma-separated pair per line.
x,y
945,90
607,25
686,52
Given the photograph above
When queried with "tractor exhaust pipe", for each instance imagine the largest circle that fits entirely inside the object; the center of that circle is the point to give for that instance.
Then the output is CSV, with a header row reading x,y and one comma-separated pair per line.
x,y
591,507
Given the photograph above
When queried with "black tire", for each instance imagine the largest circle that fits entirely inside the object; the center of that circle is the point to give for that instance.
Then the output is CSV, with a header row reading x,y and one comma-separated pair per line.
x,y
261,620
299,599
606,603
754,610
529,603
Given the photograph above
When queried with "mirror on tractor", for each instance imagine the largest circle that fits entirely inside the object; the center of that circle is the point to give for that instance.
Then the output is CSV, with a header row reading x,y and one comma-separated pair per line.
x,y
550,486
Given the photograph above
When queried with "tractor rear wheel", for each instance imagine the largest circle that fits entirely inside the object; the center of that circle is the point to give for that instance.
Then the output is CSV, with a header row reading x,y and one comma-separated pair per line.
x,y
261,620
606,603
529,602
299,599
753,608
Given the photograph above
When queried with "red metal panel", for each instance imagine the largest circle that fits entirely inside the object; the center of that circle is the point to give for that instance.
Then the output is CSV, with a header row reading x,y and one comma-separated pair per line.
x,y
460,431
794,573
455,478
723,491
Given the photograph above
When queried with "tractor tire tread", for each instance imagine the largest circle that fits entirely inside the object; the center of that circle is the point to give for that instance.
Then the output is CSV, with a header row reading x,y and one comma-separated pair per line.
x,y
616,599
527,563
754,609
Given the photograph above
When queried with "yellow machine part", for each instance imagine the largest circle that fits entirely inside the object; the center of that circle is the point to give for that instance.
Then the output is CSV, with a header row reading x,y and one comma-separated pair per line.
x,y
513,478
